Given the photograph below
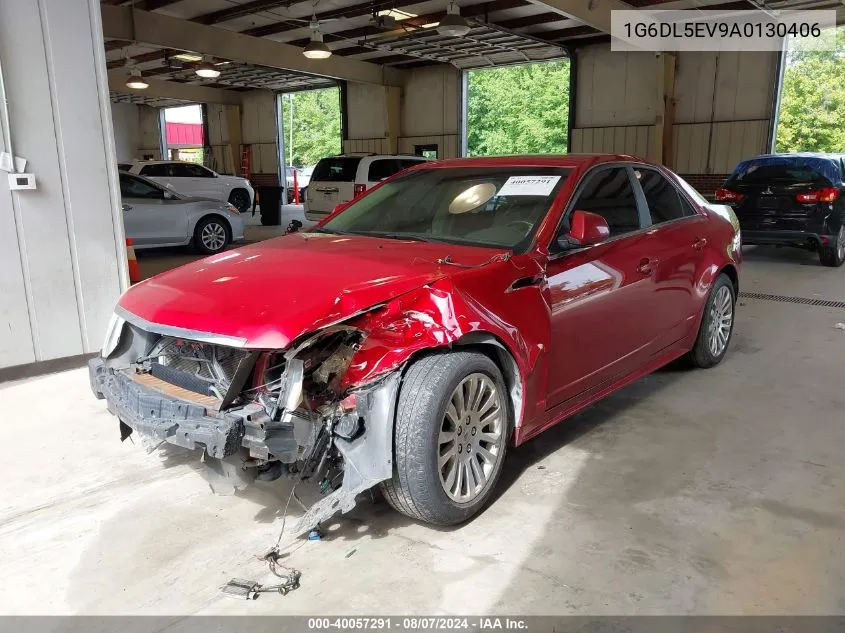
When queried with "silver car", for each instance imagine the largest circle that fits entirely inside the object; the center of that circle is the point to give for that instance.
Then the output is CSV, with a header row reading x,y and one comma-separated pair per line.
x,y
155,216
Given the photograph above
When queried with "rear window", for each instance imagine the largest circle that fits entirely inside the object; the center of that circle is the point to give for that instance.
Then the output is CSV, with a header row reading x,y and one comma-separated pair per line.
x,y
336,169
161,170
786,169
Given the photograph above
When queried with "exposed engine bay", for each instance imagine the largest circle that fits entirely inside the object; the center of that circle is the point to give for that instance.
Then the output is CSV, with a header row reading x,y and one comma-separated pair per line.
x,y
267,414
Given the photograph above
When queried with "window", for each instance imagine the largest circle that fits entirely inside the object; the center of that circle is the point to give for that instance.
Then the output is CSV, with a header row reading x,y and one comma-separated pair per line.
x,y
786,169
131,187
383,168
188,170
336,169
160,170
124,166
664,201
480,206
427,151
609,193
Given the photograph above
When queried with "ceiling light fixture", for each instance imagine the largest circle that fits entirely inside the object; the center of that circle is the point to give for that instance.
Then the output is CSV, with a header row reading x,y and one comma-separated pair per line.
x,y
453,23
206,69
136,81
187,57
316,48
396,14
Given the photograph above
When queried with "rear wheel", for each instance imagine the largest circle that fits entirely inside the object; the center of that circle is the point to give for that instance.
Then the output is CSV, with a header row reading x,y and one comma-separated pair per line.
x,y
240,200
450,438
211,235
834,255
717,324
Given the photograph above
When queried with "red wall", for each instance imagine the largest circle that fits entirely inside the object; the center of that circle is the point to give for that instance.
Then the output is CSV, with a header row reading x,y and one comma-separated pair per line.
x,y
184,134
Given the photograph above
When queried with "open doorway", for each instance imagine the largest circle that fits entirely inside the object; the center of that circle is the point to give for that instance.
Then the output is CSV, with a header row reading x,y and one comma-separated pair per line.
x,y
310,129
812,99
518,109
184,133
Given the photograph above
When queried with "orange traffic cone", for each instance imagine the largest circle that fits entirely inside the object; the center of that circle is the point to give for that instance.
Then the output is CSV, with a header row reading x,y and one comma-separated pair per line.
x,y
134,270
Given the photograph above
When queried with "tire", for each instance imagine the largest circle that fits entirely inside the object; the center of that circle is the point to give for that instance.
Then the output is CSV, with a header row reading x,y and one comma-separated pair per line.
x,y
706,353
834,256
212,235
418,487
239,198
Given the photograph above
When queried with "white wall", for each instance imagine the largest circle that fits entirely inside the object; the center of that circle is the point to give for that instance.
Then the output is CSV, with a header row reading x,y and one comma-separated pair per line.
x,y
259,120
150,136
62,255
127,131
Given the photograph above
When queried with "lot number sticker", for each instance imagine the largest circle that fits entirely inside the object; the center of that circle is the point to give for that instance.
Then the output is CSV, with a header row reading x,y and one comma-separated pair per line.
x,y
528,185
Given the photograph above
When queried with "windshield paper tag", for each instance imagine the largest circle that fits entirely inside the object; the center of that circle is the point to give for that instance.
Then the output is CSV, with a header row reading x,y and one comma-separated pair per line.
x,y
528,186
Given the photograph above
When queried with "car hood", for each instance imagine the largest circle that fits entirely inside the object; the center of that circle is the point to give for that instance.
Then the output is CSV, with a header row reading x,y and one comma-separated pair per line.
x,y
269,294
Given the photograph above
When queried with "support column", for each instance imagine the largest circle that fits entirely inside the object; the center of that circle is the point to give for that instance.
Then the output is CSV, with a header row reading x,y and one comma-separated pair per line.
x,y
233,126
393,108
662,147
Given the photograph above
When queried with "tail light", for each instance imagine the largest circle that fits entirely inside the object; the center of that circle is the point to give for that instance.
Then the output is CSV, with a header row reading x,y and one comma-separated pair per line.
x,y
828,194
358,190
726,195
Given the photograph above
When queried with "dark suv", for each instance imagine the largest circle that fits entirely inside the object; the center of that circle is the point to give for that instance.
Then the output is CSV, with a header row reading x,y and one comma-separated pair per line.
x,y
791,200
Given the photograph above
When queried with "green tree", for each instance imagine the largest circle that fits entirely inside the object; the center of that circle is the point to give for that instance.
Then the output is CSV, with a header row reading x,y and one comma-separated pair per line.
x,y
518,109
315,131
812,107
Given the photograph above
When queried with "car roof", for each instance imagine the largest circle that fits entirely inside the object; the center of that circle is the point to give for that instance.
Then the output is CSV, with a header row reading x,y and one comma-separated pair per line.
x,y
368,155
831,155
160,162
536,160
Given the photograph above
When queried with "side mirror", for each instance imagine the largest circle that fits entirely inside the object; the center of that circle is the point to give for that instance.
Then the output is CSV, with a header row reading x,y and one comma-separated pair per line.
x,y
585,229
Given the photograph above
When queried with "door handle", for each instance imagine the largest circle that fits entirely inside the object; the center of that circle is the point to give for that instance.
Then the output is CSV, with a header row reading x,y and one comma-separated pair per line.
x,y
127,207
699,243
647,266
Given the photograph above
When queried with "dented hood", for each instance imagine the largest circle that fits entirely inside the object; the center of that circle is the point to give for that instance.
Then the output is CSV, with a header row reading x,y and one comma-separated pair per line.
x,y
270,293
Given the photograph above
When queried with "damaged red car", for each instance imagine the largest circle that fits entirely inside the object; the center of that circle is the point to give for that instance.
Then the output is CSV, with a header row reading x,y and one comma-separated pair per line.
x,y
455,310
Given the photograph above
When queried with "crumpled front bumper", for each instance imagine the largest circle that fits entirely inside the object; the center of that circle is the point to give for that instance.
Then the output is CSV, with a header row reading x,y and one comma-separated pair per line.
x,y
158,416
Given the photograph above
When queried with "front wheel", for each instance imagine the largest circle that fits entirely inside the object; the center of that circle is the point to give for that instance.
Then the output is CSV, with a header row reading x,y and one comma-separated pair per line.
x,y
834,255
717,323
211,236
450,438
240,200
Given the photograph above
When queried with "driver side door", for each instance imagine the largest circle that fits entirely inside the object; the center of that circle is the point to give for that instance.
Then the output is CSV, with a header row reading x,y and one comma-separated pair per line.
x,y
598,295
148,217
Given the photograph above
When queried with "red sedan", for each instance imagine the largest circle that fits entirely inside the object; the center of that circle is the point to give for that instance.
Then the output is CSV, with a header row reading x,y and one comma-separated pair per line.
x,y
453,310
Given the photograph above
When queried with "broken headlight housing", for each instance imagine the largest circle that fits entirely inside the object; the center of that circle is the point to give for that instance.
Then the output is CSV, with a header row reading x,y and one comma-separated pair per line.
x,y
113,332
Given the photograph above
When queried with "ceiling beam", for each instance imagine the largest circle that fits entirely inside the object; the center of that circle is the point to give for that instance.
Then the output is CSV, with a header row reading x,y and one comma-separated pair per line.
x,y
172,90
238,11
160,30
595,13
531,20
152,5
143,58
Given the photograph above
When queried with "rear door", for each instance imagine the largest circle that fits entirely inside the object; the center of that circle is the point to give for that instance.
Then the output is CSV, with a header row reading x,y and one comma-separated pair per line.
x,y
332,182
148,218
601,297
195,180
774,192
676,242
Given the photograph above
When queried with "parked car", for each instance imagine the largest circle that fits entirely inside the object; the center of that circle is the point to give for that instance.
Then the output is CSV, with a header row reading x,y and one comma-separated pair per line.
x,y
154,216
407,341
303,177
191,179
339,179
791,200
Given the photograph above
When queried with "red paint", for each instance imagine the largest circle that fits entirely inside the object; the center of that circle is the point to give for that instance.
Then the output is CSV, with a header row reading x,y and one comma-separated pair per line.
x,y
577,326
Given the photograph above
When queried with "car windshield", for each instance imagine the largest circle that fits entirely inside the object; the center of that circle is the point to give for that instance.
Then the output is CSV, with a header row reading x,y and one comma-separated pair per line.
x,y
479,206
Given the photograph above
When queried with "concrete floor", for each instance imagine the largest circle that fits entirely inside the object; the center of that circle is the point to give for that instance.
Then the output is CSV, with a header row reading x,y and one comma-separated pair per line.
x,y
708,492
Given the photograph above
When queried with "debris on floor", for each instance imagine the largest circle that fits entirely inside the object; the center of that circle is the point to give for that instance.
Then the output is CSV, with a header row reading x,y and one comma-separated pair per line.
x,y
249,590
316,534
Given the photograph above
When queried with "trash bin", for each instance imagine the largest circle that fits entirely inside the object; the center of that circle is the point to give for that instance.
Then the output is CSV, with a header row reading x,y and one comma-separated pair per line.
x,y
270,200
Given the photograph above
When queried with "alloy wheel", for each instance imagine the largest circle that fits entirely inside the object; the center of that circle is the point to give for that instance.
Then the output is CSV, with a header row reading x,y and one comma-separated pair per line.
x,y
721,321
471,438
840,243
213,236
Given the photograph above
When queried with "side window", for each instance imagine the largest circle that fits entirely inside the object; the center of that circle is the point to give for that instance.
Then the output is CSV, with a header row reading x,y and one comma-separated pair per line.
x,y
406,163
186,170
381,169
664,202
156,171
609,194
135,188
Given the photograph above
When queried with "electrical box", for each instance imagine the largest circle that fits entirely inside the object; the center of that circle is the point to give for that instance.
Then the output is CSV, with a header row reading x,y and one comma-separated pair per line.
x,y
21,181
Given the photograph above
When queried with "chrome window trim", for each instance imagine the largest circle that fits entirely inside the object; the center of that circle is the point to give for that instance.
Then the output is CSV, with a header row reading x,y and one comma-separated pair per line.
x,y
178,332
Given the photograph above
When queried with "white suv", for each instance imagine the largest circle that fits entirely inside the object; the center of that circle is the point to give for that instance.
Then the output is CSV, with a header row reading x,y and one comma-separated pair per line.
x,y
191,179
339,179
